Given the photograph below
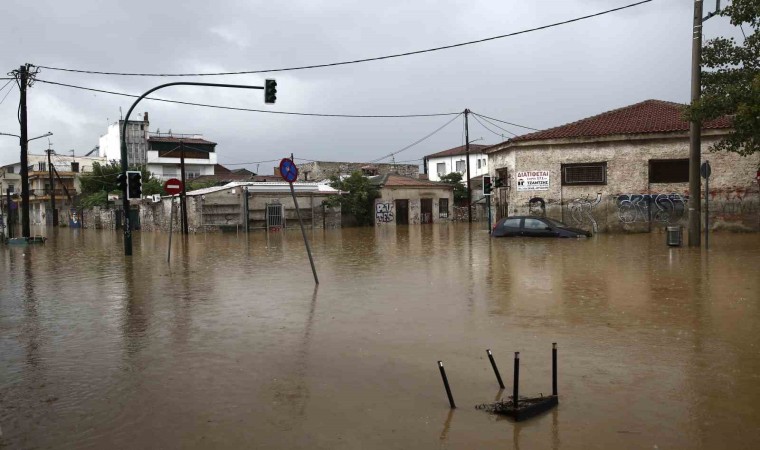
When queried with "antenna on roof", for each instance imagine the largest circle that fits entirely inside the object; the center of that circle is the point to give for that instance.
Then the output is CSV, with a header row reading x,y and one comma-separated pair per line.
x,y
120,116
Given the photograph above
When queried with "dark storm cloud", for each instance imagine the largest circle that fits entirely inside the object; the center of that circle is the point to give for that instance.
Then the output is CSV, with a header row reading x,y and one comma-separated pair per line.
x,y
539,79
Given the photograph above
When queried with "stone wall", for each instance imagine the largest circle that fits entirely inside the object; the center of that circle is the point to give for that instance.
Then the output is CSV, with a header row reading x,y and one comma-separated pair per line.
x,y
322,170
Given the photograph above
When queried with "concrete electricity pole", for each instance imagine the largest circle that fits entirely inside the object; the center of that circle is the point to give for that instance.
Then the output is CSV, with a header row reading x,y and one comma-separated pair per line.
x,y
23,76
695,128
467,151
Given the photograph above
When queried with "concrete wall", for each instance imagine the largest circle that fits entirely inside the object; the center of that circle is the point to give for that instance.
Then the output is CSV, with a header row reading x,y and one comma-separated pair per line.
x,y
628,202
385,206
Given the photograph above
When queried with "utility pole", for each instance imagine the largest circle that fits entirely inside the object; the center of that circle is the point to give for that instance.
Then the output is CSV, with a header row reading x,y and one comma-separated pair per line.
x,y
52,188
695,127
182,198
23,77
467,151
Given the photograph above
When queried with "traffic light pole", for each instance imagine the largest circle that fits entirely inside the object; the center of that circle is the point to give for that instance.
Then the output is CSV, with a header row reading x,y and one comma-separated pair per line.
x,y
125,163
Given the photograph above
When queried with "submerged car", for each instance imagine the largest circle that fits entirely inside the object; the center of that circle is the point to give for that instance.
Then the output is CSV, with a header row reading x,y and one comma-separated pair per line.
x,y
535,227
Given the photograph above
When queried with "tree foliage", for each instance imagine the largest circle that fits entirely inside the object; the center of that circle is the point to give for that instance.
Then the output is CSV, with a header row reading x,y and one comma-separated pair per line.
x,y
731,80
101,181
360,198
460,190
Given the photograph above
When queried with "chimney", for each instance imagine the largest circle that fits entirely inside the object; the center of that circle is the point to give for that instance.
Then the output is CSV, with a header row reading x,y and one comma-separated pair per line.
x,y
277,171
145,117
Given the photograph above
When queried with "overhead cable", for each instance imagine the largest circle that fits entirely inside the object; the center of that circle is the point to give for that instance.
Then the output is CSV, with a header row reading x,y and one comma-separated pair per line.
x,y
233,108
356,61
504,121
417,141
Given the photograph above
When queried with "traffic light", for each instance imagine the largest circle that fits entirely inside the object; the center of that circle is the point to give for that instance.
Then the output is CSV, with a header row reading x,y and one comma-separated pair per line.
x,y
487,186
270,91
134,185
121,181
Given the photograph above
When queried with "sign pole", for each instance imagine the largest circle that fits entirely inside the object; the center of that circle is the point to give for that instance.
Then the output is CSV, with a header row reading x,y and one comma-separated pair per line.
x,y
171,221
289,173
705,170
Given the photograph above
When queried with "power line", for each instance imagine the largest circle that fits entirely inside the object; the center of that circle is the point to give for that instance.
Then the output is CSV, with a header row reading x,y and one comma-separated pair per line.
x,y
483,125
356,61
508,123
477,117
10,80
417,141
232,108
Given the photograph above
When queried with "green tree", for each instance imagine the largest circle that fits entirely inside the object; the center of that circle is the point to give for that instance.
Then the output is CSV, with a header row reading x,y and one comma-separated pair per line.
x,y
360,199
460,190
102,180
731,80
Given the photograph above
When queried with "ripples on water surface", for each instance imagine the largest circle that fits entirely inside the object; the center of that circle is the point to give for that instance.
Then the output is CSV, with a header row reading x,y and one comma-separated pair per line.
x,y
230,346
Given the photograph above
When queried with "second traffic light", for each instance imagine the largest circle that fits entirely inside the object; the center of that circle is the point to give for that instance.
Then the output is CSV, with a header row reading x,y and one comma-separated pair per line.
x,y
487,186
134,184
270,91
121,181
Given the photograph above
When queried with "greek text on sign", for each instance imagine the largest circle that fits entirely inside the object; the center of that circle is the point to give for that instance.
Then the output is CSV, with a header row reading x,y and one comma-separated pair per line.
x,y
533,180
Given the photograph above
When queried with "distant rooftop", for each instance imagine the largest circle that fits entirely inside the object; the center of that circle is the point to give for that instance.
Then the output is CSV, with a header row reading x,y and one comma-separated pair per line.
x,y
461,150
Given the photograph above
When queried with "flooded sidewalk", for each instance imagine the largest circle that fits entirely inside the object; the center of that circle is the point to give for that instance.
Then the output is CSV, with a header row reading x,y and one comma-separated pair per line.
x,y
232,346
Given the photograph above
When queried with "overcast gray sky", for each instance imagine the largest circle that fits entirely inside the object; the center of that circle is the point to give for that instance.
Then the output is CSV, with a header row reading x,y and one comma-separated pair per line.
x,y
540,79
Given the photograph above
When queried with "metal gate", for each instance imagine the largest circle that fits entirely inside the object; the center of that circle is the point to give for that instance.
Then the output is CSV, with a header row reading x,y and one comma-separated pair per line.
x,y
275,217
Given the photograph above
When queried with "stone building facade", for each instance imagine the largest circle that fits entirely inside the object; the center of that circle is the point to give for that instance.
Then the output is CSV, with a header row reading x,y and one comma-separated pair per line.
x,y
323,170
411,201
623,170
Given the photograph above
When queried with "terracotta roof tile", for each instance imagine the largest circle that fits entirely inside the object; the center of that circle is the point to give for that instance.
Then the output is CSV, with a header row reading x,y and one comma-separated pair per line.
x,y
650,116
461,150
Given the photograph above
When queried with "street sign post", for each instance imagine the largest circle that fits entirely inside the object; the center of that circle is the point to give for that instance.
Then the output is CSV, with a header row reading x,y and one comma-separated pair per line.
x,y
172,186
705,170
289,173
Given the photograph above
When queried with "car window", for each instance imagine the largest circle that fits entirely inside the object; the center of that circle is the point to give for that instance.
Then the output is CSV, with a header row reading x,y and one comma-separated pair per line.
x,y
534,224
556,223
512,223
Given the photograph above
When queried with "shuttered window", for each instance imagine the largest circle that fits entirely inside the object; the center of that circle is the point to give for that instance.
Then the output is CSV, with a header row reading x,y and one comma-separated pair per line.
x,y
584,173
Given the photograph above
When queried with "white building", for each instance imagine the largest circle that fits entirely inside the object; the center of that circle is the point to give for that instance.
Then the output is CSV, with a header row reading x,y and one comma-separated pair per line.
x,y
455,160
164,155
137,141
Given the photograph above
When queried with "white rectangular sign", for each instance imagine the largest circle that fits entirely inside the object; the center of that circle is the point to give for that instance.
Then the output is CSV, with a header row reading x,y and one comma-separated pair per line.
x,y
533,180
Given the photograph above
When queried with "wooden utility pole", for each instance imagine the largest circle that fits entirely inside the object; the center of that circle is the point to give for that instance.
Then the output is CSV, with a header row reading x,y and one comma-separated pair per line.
x,y
23,76
467,163
182,198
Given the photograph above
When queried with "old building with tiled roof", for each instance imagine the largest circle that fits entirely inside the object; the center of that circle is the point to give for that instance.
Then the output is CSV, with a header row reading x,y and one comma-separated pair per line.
x,y
455,160
623,170
408,200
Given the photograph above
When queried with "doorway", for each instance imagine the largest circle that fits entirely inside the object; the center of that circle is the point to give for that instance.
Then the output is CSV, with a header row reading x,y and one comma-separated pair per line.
x,y
402,212
426,210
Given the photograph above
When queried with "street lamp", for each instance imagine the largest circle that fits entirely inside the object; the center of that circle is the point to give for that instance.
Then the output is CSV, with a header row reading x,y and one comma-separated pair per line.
x,y
125,163
25,229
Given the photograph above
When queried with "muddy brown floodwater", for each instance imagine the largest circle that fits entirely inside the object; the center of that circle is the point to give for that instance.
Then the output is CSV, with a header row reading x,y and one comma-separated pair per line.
x,y
231,346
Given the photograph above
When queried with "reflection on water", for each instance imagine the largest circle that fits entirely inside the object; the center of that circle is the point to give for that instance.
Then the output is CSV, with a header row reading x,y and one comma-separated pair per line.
x,y
230,344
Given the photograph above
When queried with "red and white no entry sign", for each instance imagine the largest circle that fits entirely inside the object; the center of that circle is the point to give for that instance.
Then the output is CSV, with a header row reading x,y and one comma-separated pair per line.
x,y
172,186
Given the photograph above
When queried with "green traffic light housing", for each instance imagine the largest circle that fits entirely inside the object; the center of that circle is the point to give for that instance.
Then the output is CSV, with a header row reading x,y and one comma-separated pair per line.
x,y
270,91
134,185
487,186
121,181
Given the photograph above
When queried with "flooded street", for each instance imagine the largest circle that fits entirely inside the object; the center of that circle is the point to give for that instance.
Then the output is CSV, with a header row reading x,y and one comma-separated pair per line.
x,y
231,346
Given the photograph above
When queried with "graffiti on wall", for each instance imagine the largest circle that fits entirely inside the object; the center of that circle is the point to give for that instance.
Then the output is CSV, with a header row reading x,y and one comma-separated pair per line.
x,y
537,207
734,204
384,212
581,210
663,208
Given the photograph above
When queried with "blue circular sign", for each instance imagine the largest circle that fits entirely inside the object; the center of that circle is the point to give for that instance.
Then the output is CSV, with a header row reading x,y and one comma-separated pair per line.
x,y
288,170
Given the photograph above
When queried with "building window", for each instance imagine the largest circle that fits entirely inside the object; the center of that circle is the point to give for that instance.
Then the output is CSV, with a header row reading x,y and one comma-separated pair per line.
x,y
10,170
460,166
75,167
12,188
443,208
668,170
480,161
41,166
441,168
584,173
485,162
